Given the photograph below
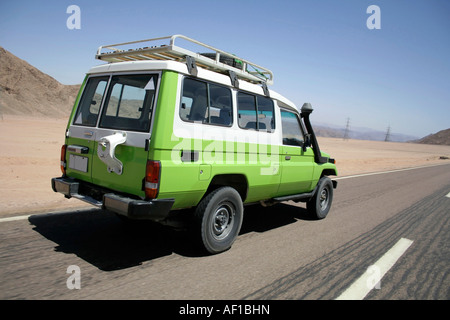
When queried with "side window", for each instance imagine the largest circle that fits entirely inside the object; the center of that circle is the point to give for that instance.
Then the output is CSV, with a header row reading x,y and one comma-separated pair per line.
x,y
266,120
292,132
194,103
255,112
90,101
129,103
220,105
206,102
247,111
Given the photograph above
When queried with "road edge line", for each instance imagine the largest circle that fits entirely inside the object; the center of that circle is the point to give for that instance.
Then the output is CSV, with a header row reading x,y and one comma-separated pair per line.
x,y
16,218
389,171
365,283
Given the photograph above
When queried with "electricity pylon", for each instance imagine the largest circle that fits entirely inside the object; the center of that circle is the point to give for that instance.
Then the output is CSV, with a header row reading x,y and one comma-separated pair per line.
x,y
388,134
347,129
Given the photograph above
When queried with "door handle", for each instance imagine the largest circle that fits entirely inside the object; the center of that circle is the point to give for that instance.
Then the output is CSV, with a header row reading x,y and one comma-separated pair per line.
x,y
287,157
89,133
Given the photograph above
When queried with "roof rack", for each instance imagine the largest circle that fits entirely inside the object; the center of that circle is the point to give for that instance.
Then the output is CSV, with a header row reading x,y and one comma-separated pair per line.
x,y
218,60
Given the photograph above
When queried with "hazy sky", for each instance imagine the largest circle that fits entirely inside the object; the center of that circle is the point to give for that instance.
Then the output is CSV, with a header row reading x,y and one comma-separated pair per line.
x,y
320,51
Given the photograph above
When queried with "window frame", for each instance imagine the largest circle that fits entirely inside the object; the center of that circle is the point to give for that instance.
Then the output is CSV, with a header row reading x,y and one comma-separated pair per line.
x,y
208,101
300,124
110,75
255,99
152,104
107,77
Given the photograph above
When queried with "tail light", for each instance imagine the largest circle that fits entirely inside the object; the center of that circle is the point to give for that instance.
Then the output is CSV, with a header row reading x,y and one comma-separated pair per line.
x,y
152,176
63,159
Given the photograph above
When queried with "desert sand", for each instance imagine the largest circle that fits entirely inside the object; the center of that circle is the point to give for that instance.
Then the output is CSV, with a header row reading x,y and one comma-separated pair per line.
x,y
30,152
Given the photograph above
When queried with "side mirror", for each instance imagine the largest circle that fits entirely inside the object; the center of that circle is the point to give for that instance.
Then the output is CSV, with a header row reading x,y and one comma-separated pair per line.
x,y
307,142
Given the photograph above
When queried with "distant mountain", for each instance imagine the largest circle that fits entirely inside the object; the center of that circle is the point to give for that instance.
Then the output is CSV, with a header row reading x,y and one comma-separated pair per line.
x,y
360,134
442,137
24,90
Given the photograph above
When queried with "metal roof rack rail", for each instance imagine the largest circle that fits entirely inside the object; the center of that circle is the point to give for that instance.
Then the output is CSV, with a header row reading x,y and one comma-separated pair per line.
x,y
217,60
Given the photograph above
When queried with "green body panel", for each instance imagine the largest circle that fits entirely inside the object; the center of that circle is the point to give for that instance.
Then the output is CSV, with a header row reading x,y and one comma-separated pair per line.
x,y
187,182
323,167
134,161
296,170
130,181
164,113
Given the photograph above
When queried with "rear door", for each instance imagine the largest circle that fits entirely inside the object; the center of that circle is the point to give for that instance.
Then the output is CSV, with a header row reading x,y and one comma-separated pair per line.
x,y
82,131
126,109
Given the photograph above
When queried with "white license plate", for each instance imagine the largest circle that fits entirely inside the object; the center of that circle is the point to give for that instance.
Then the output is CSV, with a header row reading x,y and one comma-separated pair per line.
x,y
78,163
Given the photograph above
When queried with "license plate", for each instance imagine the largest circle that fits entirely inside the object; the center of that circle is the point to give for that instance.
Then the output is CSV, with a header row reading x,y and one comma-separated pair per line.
x,y
78,163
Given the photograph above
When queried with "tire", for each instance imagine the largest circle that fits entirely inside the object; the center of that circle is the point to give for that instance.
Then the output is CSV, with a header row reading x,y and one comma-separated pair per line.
x,y
320,203
219,218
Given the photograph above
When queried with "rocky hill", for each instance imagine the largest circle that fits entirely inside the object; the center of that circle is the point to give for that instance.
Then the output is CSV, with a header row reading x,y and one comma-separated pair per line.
x,y
442,137
24,90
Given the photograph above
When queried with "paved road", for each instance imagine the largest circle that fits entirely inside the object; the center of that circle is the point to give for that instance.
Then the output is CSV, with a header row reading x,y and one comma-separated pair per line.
x,y
280,253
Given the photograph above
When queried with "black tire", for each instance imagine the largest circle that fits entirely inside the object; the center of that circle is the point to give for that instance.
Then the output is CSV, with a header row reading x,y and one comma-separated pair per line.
x,y
320,203
219,218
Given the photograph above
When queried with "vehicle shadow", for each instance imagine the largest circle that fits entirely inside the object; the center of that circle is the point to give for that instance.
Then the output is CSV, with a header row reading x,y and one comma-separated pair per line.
x,y
261,219
107,242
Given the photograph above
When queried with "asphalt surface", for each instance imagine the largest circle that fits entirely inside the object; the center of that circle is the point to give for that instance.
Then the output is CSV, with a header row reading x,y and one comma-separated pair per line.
x,y
280,253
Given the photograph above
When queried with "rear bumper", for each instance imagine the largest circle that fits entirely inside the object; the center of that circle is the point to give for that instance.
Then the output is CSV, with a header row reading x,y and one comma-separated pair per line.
x,y
156,209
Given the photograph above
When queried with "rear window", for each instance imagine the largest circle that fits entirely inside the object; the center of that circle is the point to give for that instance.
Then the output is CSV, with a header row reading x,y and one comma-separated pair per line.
x,y
129,102
90,102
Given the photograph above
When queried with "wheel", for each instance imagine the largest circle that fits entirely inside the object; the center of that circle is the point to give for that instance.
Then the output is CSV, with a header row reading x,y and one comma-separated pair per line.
x,y
320,203
219,218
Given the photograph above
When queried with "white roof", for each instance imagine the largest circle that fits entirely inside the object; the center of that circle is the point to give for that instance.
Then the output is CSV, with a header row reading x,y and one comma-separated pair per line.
x,y
157,65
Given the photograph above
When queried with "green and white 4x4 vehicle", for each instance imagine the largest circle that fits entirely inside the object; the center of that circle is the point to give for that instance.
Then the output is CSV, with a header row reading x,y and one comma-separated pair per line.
x,y
162,128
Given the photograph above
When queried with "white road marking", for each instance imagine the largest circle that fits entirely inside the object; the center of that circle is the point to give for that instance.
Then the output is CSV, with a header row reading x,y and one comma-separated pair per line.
x,y
390,171
448,195
14,218
25,217
372,277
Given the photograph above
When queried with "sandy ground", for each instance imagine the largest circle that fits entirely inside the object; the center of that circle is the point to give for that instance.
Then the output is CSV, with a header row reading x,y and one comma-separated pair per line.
x,y
30,152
